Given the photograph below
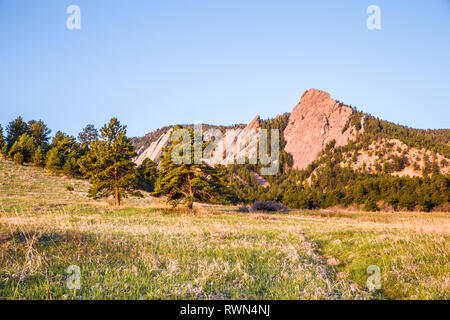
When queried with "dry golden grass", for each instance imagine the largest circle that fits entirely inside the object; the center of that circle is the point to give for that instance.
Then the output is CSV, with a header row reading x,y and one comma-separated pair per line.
x,y
145,250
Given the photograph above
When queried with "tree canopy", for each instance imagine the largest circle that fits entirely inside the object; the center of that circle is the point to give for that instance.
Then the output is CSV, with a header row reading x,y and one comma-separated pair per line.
x,y
188,181
108,165
15,130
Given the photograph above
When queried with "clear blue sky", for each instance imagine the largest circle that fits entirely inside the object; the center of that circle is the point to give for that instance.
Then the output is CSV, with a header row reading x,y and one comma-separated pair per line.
x,y
154,63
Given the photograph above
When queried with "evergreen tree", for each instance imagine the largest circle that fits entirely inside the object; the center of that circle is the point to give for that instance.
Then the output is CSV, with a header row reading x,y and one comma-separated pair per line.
x,y
26,146
65,144
15,130
38,157
188,182
371,204
69,153
39,131
71,167
53,160
148,173
87,136
108,164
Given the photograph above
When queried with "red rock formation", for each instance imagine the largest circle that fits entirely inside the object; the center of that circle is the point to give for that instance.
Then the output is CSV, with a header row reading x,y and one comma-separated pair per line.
x,y
237,144
315,121
241,144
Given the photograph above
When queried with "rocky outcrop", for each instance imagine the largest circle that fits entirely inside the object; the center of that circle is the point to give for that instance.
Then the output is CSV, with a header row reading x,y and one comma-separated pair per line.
x,y
260,180
154,151
236,144
316,121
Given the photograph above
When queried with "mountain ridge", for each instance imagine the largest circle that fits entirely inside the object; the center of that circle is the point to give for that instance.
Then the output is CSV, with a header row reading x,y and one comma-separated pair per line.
x,y
318,120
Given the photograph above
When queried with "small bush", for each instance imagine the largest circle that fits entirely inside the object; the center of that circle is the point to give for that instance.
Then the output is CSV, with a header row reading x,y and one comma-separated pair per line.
x,y
267,206
18,159
69,188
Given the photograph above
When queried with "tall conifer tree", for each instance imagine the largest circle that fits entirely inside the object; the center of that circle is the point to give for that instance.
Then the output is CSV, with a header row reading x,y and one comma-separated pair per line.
x,y
108,165
15,130
188,182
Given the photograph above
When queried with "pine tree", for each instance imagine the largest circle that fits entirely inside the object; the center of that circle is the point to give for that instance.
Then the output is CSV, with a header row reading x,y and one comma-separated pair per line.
x,y
65,144
2,142
371,204
53,160
68,153
26,146
15,130
4,151
188,182
38,158
87,136
148,173
39,131
108,164
71,167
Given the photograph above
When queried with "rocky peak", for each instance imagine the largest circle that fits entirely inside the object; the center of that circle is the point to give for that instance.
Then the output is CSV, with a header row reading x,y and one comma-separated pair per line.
x,y
315,121
254,124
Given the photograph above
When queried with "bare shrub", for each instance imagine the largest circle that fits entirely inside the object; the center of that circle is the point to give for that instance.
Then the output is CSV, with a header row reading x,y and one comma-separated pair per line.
x,y
271,206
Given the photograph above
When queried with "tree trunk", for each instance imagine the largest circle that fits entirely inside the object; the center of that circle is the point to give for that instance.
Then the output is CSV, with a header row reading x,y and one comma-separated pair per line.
x,y
117,189
190,205
117,198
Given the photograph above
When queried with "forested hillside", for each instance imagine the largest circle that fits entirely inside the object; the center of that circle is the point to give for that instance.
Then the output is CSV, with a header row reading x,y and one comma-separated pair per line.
x,y
333,179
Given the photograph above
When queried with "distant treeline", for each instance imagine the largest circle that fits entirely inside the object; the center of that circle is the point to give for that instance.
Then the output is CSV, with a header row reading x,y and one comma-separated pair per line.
x,y
29,142
104,157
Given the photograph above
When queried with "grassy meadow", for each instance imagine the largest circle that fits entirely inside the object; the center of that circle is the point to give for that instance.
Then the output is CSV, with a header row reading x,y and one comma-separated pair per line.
x,y
145,250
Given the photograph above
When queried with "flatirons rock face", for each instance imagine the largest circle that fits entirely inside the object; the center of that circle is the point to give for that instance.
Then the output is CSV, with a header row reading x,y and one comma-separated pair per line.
x,y
154,151
236,144
315,121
